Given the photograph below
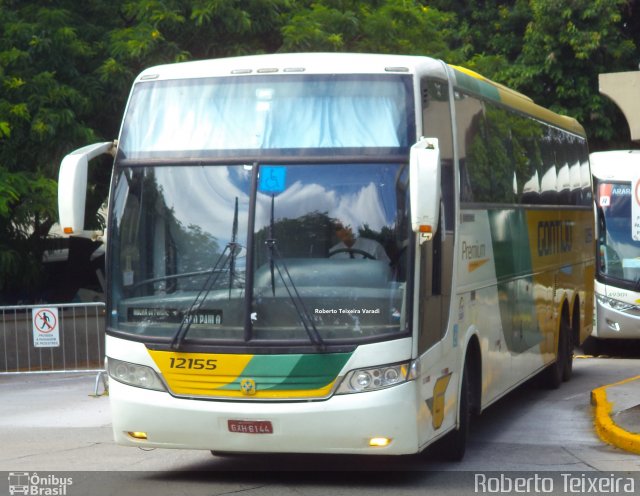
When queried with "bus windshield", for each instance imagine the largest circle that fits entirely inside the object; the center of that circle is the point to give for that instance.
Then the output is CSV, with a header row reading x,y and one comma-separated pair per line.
x,y
618,251
275,253
224,116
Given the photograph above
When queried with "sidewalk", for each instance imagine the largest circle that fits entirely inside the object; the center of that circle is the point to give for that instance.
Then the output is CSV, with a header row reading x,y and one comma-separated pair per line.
x,y
617,413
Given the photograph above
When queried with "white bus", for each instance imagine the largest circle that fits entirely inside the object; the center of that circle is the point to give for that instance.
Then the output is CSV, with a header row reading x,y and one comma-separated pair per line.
x,y
616,178
335,253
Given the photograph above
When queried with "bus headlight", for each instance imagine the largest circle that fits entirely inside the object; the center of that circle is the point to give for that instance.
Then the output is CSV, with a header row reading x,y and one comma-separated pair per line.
x,y
373,378
134,375
618,305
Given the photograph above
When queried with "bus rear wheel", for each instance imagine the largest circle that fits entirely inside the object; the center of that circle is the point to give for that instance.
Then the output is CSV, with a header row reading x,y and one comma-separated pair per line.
x,y
561,369
567,369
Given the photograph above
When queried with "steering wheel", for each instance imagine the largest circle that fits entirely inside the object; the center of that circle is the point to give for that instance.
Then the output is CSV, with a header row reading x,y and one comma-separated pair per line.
x,y
351,251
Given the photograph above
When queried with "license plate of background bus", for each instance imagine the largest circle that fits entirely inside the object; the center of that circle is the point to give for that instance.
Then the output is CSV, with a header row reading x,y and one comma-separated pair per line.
x,y
250,426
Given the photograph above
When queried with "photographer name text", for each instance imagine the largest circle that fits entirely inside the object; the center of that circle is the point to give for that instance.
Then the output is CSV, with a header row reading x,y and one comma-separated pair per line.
x,y
538,484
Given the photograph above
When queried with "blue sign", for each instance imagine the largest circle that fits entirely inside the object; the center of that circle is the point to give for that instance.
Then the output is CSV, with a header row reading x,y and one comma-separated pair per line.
x,y
272,178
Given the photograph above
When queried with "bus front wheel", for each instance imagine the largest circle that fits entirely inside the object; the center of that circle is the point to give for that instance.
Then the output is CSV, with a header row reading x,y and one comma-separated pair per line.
x,y
453,446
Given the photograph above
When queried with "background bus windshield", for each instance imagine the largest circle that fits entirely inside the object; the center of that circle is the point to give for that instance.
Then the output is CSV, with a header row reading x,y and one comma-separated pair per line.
x,y
618,252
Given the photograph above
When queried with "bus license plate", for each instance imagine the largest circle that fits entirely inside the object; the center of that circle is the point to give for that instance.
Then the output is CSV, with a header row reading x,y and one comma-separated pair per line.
x,y
250,426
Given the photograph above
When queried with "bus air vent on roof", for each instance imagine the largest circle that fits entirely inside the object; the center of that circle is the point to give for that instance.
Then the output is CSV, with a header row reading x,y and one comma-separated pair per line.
x,y
396,69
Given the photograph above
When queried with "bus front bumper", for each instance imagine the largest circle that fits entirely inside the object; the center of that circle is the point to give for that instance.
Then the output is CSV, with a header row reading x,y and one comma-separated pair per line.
x,y
342,424
616,324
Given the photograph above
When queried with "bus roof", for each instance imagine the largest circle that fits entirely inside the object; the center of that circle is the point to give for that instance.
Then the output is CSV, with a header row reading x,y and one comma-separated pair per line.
x,y
615,165
476,83
359,63
287,63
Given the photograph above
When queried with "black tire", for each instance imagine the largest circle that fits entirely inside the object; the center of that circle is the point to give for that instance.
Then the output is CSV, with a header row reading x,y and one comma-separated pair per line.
x,y
554,374
567,370
453,446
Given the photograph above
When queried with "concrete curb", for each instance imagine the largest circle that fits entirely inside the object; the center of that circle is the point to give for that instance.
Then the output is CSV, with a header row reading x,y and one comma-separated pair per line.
x,y
605,426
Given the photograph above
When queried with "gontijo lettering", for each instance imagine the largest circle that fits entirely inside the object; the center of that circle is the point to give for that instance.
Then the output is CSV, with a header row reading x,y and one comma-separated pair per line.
x,y
554,236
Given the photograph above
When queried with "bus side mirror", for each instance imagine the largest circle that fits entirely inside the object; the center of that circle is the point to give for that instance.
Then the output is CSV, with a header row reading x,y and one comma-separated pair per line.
x,y
424,187
72,185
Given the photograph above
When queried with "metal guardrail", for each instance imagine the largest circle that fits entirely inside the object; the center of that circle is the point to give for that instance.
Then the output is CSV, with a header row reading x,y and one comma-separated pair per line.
x,y
52,338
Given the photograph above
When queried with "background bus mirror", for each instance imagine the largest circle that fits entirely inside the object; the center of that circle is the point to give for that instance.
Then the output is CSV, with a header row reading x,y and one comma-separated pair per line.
x,y
72,185
424,180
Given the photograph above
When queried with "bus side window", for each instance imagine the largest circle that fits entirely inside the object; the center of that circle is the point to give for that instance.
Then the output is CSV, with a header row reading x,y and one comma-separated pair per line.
x,y
585,174
564,172
527,159
575,173
548,172
497,159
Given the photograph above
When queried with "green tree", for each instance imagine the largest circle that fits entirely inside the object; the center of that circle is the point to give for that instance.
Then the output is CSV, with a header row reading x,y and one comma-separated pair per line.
x,y
47,94
489,33
161,31
382,26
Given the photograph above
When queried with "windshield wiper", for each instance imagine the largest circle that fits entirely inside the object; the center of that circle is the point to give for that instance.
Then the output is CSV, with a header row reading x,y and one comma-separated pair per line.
x,y
188,317
232,248
298,303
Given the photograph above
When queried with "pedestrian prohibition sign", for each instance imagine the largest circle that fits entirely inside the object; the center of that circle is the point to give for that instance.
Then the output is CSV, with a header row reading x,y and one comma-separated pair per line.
x,y
46,333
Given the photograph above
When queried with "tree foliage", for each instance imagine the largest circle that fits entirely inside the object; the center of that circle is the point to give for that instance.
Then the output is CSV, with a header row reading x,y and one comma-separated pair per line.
x,y
566,45
48,92
66,68
383,26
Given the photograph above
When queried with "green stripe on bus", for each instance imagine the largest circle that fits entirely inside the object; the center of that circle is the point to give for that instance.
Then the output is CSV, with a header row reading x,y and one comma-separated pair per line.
x,y
512,247
292,372
477,86
511,244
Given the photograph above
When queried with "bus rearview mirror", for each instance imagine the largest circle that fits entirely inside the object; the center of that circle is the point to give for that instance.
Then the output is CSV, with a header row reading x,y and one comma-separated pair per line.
x,y
72,185
424,187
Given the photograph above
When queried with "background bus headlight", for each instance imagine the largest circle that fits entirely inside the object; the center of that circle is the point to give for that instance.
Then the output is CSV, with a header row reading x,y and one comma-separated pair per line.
x,y
134,375
373,378
618,305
